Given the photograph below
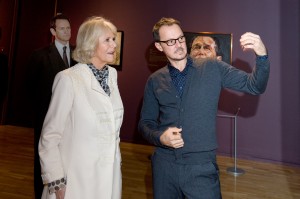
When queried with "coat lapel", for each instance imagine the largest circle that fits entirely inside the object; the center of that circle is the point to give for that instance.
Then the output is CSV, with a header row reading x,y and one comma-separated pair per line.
x,y
95,85
111,83
168,80
55,58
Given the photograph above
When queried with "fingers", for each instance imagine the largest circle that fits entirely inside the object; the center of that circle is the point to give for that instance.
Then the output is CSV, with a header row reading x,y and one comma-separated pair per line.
x,y
250,36
60,194
253,41
249,40
177,143
175,130
172,137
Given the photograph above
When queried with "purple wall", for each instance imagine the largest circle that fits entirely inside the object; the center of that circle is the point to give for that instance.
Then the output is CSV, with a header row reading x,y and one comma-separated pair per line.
x,y
268,126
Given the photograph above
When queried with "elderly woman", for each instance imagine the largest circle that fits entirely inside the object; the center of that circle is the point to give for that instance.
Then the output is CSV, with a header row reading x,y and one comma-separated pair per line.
x,y
79,146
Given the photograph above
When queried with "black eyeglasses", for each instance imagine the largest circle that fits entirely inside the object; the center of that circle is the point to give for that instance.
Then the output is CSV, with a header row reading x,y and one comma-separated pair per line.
x,y
172,42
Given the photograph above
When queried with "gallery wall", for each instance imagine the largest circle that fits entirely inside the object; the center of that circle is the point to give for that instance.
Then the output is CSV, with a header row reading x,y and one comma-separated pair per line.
x,y
267,125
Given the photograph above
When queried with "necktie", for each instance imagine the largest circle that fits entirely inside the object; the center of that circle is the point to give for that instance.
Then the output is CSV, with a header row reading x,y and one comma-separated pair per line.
x,y
65,58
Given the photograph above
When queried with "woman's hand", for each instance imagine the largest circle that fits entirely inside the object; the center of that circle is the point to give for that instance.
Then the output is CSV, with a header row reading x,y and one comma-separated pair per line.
x,y
60,194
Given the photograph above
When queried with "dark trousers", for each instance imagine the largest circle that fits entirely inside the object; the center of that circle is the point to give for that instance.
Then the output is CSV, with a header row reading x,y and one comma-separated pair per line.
x,y
38,183
181,177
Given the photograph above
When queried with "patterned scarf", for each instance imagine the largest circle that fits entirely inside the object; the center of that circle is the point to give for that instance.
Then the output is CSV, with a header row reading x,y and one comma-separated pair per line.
x,y
102,77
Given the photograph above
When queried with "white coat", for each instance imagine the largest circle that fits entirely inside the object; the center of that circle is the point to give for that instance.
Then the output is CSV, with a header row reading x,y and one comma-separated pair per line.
x,y
80,136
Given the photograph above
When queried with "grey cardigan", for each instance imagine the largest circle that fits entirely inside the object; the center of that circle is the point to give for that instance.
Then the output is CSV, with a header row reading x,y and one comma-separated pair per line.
x,y
196,111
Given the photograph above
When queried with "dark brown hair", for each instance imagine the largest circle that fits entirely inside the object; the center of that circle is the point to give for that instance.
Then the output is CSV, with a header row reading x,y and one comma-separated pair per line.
x,y
163,22
58,16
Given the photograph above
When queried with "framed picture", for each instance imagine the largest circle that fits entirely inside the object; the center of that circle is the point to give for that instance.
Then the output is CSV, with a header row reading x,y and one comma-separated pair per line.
x,y
117,63
210,44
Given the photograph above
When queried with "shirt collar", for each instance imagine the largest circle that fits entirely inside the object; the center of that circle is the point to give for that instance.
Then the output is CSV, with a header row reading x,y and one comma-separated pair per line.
x,y
174,71
60,45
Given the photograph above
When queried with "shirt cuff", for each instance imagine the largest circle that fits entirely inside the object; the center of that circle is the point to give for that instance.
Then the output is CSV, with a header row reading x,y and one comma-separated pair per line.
x,y
263,57
57,185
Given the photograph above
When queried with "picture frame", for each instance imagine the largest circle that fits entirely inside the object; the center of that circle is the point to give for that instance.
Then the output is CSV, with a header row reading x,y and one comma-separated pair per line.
x,y
117,63
224,41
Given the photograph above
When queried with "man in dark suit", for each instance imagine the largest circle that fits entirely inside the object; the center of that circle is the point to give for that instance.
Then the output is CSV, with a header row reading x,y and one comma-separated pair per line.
x,y
44,64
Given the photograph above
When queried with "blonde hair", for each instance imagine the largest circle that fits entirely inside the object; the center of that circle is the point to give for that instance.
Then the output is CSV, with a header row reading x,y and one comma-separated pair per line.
x,y
88,37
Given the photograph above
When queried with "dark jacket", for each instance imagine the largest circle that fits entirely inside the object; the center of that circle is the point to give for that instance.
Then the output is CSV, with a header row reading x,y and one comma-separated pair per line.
x,y
43,65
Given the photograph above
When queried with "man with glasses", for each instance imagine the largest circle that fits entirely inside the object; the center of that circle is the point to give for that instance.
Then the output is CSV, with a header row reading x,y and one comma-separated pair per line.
x,y
205,47
44,64
179,112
